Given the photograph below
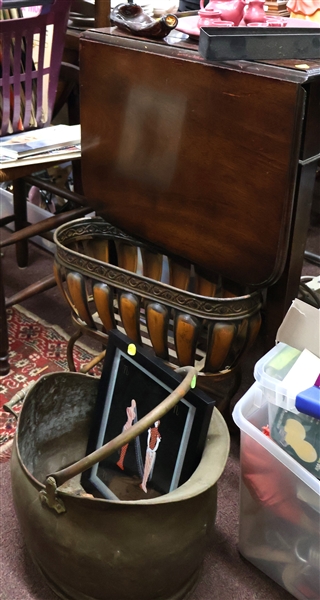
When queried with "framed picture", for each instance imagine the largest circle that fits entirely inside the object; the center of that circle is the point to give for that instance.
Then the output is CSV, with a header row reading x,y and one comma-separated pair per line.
x,y
133,382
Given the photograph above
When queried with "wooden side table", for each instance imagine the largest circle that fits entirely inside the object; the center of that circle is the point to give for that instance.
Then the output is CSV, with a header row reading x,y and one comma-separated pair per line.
x,y
212,162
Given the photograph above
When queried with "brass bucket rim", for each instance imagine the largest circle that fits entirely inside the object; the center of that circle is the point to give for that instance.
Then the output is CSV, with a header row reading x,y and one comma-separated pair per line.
x,y
204,477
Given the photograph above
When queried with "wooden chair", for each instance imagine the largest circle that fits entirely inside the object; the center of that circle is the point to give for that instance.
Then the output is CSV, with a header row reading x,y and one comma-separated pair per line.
x,y
100,11
28,87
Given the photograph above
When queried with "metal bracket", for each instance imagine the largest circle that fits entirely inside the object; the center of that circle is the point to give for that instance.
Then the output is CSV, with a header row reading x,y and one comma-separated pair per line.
x,y
50,497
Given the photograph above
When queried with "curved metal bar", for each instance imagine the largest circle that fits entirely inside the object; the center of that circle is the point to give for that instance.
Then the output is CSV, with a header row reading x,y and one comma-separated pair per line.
x,y
18,397
70,346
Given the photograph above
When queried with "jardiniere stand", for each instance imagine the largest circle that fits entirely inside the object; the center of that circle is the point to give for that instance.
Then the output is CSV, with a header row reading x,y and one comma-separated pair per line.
x,y
112,280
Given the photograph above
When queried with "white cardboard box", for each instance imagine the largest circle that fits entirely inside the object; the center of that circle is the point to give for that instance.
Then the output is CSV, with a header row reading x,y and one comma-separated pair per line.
x,y
301,327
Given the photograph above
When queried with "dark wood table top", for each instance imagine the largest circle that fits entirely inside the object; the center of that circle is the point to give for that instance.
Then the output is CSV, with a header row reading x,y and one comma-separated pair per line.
x,y
192,155
292,69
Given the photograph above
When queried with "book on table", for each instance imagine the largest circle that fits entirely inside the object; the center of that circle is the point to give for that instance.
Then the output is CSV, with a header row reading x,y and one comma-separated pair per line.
x,y
33,144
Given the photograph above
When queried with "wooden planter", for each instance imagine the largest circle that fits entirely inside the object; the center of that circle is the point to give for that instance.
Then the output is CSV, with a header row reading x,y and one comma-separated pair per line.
x,y
111,280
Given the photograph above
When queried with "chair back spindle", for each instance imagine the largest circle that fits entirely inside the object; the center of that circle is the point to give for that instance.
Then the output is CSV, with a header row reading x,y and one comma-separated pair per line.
x,y
31,51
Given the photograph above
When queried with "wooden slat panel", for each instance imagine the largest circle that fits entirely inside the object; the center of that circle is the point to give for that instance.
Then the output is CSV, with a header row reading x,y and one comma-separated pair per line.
x,y
220,339
57,271
239,343
129,306
152,264
98,249
179,275
127,256
206,284
186,334
77,290
157,316
103,297
254,328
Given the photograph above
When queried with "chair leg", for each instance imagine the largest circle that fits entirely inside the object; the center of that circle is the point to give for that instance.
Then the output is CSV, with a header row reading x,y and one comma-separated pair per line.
x,y
20,212
4,343
42,285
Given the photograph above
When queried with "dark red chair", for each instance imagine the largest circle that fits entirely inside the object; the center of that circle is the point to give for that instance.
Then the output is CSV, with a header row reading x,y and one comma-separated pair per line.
x,y
31,50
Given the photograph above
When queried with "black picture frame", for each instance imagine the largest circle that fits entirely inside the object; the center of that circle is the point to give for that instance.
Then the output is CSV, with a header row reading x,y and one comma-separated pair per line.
x,y
133,381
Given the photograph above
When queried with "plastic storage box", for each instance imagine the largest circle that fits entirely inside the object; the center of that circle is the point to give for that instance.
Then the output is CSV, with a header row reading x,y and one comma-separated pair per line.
x,y
279,525
281,375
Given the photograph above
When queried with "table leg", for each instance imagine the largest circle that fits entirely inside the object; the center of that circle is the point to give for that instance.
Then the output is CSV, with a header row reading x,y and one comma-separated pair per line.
x,y
4,343
20,212
281,295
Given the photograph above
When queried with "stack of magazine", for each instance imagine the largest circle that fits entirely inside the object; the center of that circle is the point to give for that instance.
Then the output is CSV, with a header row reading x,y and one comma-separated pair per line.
x,y
40,145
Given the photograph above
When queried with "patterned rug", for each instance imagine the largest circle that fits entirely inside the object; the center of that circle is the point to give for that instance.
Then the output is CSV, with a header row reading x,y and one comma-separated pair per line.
x,y
36,348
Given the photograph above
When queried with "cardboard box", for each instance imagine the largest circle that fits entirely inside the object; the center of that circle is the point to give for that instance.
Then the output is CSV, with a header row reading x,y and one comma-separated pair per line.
x,y
301,327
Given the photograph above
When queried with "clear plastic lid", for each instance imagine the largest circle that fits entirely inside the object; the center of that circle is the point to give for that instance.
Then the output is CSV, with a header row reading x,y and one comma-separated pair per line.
x,y
271,370
284,373
275,365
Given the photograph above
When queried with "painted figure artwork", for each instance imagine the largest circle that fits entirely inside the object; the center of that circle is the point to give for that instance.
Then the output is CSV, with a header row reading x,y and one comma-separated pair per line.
x,y
156,467
304,9
131,418
163,455
154,439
